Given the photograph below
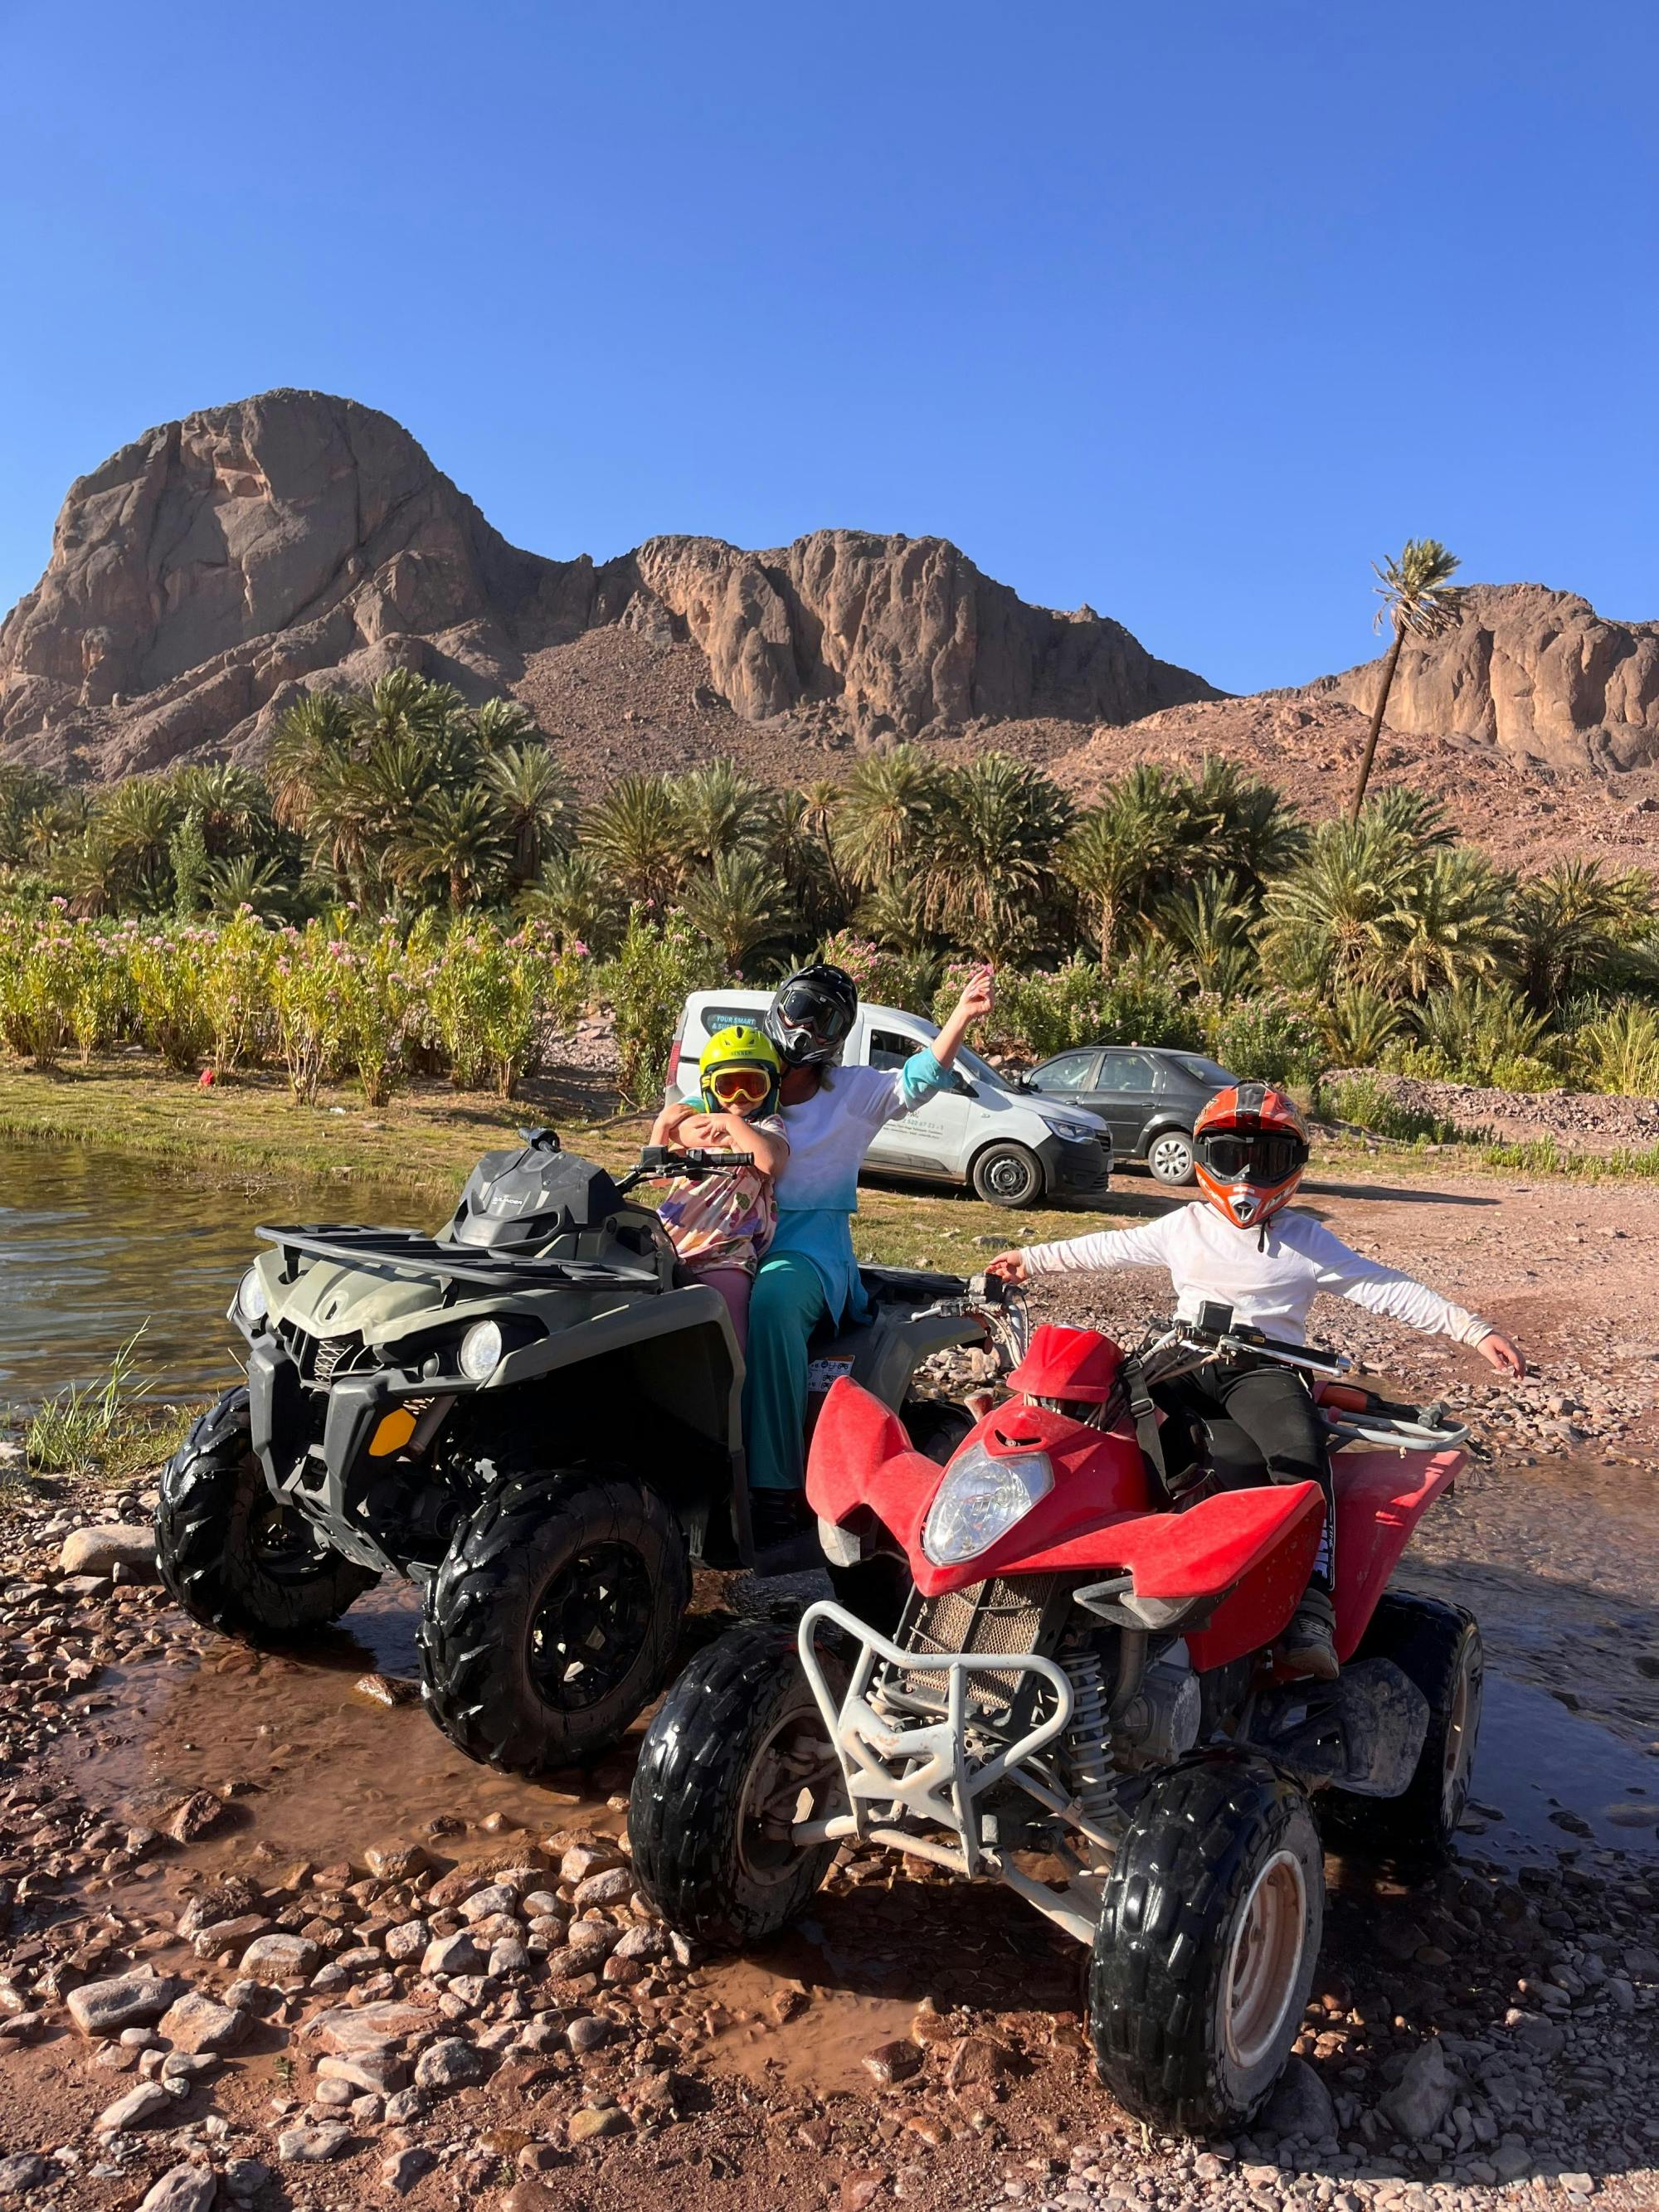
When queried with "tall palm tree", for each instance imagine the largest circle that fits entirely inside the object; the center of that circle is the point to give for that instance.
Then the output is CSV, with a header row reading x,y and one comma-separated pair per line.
x,y
1566,927
536,800
576,899
1210,922
635,833
315,735
740,904
1236,824
797,847
1418,599
1119,852
888,814
1453,925
456,835
721,810
988,874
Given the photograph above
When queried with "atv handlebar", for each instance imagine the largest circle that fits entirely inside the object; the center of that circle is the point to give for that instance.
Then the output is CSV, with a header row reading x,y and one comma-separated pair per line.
x,y
689,1164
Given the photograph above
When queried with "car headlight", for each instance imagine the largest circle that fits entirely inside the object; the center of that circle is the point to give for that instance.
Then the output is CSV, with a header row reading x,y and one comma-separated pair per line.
x,y
1074,1133
980,1500
481,1350
252,1302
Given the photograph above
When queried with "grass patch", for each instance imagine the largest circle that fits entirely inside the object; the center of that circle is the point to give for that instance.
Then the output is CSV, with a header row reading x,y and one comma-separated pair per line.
x,y
1539,1156
111,1428
1364,1101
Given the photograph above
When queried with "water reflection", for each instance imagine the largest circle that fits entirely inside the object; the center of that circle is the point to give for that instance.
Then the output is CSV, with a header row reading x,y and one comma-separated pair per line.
x,y
93,1246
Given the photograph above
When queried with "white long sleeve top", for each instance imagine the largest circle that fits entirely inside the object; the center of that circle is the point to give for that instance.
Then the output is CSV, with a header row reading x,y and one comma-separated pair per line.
x,y
1270,1289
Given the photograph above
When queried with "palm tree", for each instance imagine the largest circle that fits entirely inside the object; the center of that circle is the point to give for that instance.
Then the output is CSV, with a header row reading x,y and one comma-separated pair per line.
x,y
798,847
1453,923
501,722
230,803
575,898
1210,923
989,873
1566,924
1359,1024
242,880
1236,824
895,913
740,904
536,800
457,835
721,811
126,858
1119,851
313,736
635,833
1418,596
1335,917
888,814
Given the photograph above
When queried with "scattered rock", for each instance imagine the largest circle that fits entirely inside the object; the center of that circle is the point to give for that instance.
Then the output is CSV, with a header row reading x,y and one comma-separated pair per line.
x,y
196,2022
199,1815
124,2001
397,1862
404,2168
22,2172
119,1546
590,2120
186,2188
1301,2105
311,2145
283,1958
1419,2101
976,2062
453,1954
136,2109
894,2062
449,2063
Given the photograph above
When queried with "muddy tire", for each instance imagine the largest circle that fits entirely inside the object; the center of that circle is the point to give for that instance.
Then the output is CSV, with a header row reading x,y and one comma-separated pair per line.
x,y
552,1622
1206,1948
1437,1647
730,1744
232,1555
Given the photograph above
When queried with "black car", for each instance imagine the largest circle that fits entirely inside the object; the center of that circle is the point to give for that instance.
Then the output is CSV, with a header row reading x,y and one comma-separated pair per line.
x,y
1149,1096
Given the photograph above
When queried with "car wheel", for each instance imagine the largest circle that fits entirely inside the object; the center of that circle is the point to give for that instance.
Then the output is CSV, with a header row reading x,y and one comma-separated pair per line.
x,y
1170,1157
1008,1175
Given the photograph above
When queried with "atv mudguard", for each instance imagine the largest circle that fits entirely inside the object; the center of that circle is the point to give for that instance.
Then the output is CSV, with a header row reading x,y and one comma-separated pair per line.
x,y
1381,1496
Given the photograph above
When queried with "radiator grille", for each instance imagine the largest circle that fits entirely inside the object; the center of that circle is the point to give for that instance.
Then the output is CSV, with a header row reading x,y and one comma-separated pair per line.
x,y
997,1616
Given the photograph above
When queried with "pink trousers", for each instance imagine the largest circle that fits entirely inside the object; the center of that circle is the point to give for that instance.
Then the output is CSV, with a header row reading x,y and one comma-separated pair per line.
x,y
734,1284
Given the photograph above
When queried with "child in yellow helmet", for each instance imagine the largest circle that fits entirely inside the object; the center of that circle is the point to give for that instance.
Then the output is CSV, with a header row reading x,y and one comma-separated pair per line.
x,y
721,1225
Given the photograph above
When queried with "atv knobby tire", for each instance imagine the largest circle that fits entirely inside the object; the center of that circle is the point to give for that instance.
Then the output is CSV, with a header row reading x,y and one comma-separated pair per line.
x,y
232,1555
553,1620
1206,1943
1437,1647
740,1720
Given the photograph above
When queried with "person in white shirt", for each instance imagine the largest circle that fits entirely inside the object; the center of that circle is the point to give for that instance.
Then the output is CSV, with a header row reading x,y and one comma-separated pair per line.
x,y
1237,1246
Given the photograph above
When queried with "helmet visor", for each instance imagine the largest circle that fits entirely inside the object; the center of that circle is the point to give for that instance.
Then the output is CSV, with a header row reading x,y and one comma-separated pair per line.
x,y
740,1086
802,1008
1266,1157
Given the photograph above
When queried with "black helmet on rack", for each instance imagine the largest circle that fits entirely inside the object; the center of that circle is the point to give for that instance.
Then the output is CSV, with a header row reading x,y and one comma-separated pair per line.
x,y
810,1014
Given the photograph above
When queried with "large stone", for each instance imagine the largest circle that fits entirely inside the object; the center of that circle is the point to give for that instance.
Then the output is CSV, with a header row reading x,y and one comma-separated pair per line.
x,y
590,2120
311,2145
281,1958
138,2109
450,2063
198,2023
1419,2101
494,1898
354,2029
374,2072
128,1546
1301,2105
186,2188
453,1955
220,1937
22,2173
124,2001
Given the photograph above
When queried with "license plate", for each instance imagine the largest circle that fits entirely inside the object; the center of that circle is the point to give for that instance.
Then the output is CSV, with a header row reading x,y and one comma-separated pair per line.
x,y
822,1373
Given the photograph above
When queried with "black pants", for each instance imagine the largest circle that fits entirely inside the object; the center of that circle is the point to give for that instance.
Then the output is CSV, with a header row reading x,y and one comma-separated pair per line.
x,y
1273,1408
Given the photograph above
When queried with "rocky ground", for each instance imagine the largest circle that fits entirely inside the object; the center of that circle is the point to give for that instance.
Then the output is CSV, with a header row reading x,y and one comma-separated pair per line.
x,y
265,1940
1578,1121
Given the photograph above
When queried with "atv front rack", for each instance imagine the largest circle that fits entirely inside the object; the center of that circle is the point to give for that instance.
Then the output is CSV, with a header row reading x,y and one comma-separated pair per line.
x,y
408,1252
899,1776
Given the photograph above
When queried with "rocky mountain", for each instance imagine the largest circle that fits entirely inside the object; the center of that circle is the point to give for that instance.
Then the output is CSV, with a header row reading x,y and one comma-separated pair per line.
x,y
205,575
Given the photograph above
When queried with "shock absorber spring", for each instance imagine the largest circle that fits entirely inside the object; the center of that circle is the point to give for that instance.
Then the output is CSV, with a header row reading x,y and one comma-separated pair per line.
x,y
1089,1767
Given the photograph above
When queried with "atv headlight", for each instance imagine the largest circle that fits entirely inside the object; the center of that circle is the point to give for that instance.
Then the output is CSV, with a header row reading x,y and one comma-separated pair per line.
x,y
481,1351
252,1302
980,1500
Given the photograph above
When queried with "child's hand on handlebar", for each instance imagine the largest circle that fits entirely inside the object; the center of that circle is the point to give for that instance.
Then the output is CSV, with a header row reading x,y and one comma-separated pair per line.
x,y
1009,1267
1498,1351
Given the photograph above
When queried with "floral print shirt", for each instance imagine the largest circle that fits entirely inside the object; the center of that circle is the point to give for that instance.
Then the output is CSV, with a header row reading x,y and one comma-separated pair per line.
x,y
727,1220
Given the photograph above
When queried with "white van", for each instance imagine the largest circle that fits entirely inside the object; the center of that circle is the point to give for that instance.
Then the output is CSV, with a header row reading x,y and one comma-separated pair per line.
x,y
1010,1147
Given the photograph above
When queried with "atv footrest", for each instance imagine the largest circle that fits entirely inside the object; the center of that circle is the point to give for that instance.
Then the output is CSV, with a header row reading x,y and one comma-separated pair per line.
x,y
910,1759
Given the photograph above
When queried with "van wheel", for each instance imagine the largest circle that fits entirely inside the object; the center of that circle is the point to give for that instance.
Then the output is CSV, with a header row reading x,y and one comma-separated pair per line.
x,y
1008,1175
1170,1158
553,1620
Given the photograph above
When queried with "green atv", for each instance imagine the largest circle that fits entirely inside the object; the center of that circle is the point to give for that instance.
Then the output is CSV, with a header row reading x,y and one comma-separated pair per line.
x,y
533,1415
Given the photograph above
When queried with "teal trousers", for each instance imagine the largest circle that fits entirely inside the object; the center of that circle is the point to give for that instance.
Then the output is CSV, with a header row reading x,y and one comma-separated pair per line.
x,y
786,1306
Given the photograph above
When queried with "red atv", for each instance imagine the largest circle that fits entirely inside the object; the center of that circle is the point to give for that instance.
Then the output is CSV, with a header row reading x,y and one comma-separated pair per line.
x,y
1079,1698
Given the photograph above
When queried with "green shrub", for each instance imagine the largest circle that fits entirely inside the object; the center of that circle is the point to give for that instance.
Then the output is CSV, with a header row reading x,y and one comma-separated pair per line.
x,y
1362,1101
658,964
39,958
167,972
1045,1011
1268,1040
1619,1053
236,990
906,980
313,1016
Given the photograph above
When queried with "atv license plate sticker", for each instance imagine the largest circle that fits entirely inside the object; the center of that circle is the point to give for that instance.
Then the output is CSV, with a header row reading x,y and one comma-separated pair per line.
x,y
821,1374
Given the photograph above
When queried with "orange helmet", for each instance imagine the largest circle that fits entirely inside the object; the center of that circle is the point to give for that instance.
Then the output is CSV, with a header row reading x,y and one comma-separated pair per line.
x,y
1249,1147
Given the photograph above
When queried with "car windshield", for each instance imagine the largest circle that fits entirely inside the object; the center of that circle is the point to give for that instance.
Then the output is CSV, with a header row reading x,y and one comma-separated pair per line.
x,y
1206,1070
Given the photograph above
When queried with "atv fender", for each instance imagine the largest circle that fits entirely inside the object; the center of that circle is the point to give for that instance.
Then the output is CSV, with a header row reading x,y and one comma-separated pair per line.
x,y
1381,1496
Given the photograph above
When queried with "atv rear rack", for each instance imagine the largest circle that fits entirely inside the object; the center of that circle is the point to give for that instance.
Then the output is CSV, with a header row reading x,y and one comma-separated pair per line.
x,y
409,1252
897,1775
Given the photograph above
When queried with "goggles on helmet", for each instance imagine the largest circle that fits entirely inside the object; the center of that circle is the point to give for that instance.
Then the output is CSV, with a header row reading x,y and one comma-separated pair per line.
x,y
805,1009
1264,1156
740,1086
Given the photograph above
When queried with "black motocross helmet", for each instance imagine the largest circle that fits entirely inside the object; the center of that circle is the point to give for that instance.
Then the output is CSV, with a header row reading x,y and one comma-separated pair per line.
x,y
810,1014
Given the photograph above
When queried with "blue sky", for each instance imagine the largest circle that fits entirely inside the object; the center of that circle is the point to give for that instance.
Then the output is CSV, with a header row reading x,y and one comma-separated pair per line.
x,y
1187,311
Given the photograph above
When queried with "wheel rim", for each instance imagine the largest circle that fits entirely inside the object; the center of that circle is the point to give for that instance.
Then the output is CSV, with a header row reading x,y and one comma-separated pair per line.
x,y
1009,1178
281,1543
1457,1759
795,1762
585,1634
1264,1968
1170,1157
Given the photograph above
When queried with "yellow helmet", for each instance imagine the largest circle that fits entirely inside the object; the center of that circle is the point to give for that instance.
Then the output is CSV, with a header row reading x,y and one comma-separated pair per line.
x,y
742,1063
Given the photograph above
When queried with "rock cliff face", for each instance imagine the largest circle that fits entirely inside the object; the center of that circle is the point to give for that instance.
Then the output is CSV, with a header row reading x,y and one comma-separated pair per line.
x,y
1537,673
209,572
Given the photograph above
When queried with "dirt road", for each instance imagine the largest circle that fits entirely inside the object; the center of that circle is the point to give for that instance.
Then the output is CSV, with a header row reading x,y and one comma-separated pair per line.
x,y
538,2043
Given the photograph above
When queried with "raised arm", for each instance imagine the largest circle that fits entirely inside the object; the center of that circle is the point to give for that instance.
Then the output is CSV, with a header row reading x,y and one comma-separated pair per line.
x,y
1146,1246
1387,1291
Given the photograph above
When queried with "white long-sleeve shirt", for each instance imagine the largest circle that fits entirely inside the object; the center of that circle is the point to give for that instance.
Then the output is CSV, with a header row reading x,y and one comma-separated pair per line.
x,y
1270,1289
